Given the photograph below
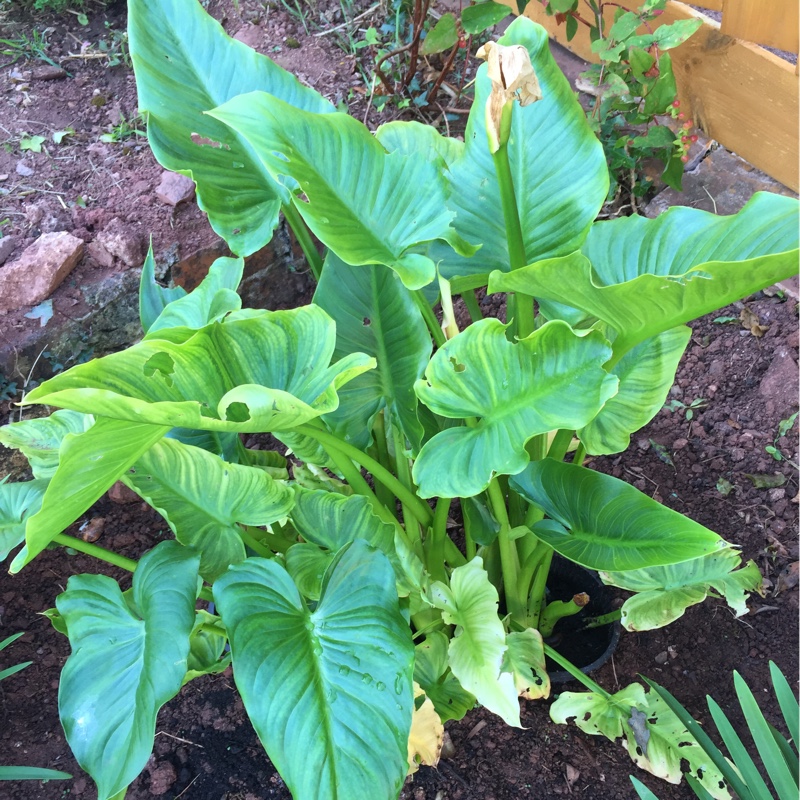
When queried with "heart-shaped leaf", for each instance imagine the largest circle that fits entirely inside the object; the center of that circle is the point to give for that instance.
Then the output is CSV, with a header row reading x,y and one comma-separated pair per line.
x,y
186,65
329,692
204,500
557,163
664,593
363,203
18,502
375,314
89,463
216,378
603,523
129,657
477,649
551,379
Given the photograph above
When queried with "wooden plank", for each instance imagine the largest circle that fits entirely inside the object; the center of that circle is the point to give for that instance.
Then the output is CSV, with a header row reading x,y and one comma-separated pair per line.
x,y
774,23
737,93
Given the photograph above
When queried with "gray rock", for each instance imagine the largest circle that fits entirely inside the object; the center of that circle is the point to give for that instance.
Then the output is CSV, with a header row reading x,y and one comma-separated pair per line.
x,y
39,271
23,169
175,189
7,246
123,242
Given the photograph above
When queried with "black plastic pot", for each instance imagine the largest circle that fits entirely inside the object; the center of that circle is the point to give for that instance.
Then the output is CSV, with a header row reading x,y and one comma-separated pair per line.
x,y
588,649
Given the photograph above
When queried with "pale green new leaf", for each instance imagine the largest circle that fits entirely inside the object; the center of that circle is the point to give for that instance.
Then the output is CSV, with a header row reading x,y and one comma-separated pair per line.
x,y
420,141
154,298
18,502
432,672
646,374
261,372
644,276
186,65
557,164
206,647
664,593
551,379
210,301
604,523
329,692
205,499
39,439
660,743
89,464
375,314
478,647
307,564
332,520
363,203
524,659
129,657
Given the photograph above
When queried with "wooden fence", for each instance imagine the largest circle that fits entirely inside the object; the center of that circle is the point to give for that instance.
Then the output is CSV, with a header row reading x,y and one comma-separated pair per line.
x,y
737,92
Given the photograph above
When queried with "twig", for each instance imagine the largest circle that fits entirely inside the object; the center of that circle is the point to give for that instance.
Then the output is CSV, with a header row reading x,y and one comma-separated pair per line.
x,y
178,739
349,22
434,90
187,788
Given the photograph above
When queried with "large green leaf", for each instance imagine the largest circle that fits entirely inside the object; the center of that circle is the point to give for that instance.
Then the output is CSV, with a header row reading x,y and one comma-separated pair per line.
x,y
186,65
329,692
655,738
646,374
129,657
476,19
477,649
39,439
432,672
18,502
333,520
375,314
261,372
644,276
204,500
664,593
89,463
603,523
367,205
210,301
551,379
416,139
557,163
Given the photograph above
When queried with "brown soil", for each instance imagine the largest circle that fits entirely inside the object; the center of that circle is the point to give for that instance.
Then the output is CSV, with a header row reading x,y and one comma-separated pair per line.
x,y
205,747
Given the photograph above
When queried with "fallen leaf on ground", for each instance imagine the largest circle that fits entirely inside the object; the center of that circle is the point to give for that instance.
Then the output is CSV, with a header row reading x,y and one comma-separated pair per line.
x,y
752,323
789,577
766,481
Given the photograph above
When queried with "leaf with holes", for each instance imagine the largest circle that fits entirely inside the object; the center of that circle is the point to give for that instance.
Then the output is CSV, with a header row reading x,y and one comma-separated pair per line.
x,y
432,672
129,657
328,691
216,378
664,593
552,379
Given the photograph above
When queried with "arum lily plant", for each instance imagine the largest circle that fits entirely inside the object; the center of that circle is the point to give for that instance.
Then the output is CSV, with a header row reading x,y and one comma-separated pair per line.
x,y
356,617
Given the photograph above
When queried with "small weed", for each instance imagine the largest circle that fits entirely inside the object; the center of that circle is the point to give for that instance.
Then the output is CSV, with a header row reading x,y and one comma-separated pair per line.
x,y
784,427
125,129
33,47
676,405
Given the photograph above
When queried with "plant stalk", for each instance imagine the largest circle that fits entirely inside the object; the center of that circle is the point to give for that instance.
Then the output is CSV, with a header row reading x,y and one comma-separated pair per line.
x,y
536,597
471,302
382,452
575,672
413,530
436,539
303,236
109,556
430,318
508,552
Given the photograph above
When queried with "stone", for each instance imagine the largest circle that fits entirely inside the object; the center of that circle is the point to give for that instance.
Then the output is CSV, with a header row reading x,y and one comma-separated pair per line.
x,y
23,169
175,189
779,384
7,246
122,242
162,778
99,254
39,271
48,73
120,494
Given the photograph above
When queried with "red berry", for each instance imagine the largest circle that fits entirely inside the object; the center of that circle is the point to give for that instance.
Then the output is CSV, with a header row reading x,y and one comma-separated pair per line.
x,y
630,143
685,159
462,43
676,104
693,137
688,124
684,139
681,115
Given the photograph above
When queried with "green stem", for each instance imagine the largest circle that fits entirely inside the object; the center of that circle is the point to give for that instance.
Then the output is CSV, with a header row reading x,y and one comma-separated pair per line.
x,y
561,442
417,507
430,318
452,555
436,540
404,476
471,302
382,451
536,596
529,566
580,455
575,672
559,609
509,559
303,236
523,321
603,619
250,541
96,551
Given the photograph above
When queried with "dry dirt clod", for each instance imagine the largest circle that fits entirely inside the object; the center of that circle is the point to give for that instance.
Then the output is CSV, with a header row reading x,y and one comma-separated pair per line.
x,y
120,494
122,242
175,189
